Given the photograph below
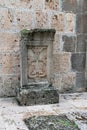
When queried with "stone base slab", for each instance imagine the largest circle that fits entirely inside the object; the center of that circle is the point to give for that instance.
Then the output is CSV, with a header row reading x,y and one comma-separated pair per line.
x,y
30,95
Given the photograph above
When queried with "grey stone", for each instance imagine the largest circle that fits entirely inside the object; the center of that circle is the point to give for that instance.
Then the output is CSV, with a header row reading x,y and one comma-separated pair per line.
x,y
78,61
52,122
80,82
84,5
69,43
81,43
79,23
85,23
37,94
68,6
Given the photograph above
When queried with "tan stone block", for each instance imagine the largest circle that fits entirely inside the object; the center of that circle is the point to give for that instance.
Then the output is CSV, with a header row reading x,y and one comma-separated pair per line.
x,y
56,44
17,3
68,81
41,19
17,64
10,82
69,22
61,63
6,19
9,42
58,22
57,82
24,20
6,63
52,4
8,3
25,4
38,4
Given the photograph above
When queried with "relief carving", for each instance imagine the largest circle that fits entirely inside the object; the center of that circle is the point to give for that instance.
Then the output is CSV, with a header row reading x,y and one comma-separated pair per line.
x,y
37,62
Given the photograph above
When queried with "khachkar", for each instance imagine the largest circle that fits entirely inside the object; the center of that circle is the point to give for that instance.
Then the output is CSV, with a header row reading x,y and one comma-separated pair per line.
x,y
36,48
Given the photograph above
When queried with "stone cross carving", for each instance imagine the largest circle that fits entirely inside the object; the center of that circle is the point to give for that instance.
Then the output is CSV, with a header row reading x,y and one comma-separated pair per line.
x,y
36,68
37,62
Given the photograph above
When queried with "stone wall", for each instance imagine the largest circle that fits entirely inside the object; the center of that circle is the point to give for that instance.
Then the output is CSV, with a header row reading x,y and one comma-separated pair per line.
x,y
69,50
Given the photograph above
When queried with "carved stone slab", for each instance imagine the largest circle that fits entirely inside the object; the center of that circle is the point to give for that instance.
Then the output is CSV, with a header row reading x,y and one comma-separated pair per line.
x,y
36,48
37,63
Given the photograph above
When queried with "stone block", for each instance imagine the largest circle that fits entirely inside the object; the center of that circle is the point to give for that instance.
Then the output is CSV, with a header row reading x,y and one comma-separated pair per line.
x,y
57,81
61,63
69,5
51,122
6,63
84,23
41,19
7,88
70,21
52,4
84,5
79,23
58,22
80,82
17,3
78,61
37,94
9,42
17,64
24,20
68,82
81,43
57,44
69,43
6,19
38,4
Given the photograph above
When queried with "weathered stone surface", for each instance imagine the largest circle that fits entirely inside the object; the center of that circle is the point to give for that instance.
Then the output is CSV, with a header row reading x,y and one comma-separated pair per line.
x,y
17,64
57,81
17,3
57,44
6,63
70,23
24,20
84,23
52,4
9,42
79,23
37,4
61,63
84,5
81,43
68,82
58,22
36,64
69,43
6,19
39,63
8,85
53,122
41,19
24,4
37,94
80,82
78,61
69,5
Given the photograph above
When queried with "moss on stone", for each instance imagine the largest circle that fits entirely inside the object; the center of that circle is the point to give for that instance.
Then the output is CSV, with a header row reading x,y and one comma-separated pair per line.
x,y
25,31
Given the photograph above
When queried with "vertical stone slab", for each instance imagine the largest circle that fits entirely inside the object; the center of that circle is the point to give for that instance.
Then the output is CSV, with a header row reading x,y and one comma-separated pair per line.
x,y
36,68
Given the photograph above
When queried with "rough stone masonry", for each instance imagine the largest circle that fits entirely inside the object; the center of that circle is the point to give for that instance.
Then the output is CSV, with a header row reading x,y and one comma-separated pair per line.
x,y
68,18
